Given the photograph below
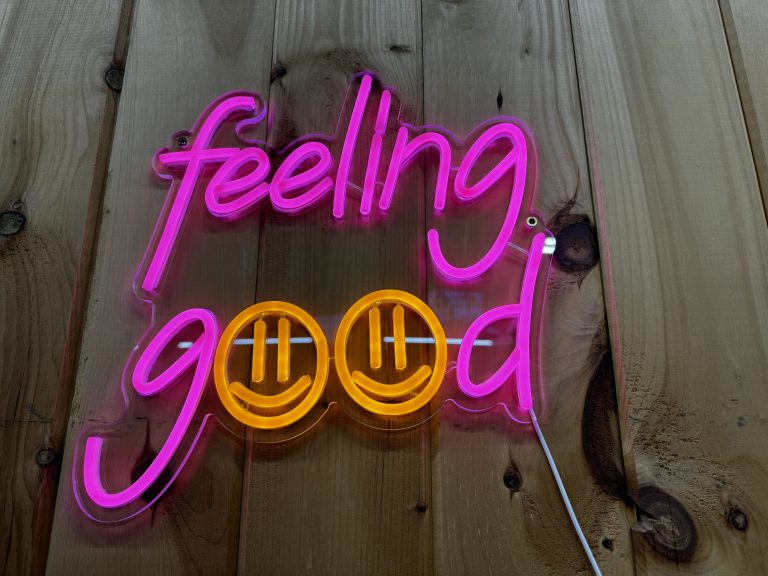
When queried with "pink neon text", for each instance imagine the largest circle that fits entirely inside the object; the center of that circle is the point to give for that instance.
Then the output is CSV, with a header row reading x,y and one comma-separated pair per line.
x,y
201,355
240,181
519,360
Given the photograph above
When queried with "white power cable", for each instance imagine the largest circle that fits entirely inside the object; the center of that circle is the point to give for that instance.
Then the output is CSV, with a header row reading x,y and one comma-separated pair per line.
x,y
564,494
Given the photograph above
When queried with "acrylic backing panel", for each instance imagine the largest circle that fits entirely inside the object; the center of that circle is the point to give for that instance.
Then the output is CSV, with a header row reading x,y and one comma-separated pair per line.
x,y
483,352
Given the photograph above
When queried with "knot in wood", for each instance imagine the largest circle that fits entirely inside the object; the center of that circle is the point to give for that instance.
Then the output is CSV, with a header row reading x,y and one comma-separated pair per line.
x,y
576,248
737,518
278,71
11,222
513,480
114,78
46,457
665,524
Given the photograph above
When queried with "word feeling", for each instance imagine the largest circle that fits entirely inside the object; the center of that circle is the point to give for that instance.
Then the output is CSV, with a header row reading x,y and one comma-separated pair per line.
x,y
240,183
230,194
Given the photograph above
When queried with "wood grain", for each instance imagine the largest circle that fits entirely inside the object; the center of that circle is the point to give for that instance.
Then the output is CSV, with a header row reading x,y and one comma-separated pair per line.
x,y
344,499
56,114
746,28
181,57
671,146
682,236
497,509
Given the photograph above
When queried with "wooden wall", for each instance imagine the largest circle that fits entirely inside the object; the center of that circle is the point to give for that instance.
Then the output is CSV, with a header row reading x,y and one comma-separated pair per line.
x,y
651,124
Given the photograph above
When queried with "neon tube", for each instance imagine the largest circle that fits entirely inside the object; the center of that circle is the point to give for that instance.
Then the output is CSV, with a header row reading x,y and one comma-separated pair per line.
x,y
398,328
200,354
251,186
404,152
180,203
519,359
283,350
517,158
285,180
392,391
372,169
374,337
274,401
340,194
483,343
258,357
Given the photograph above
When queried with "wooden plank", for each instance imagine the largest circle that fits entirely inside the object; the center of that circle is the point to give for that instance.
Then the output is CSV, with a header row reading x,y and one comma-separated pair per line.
x,y
181,57
345,499
746,28
497,509
24,489
682,237
56,115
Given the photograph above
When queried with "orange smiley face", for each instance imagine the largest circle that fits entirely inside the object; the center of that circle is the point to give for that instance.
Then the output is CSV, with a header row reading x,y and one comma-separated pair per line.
x,y
244,403
415,391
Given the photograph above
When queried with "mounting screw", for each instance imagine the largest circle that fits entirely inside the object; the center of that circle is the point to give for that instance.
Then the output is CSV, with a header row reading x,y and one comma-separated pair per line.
x,y
45,457
114,78
182,141
11,222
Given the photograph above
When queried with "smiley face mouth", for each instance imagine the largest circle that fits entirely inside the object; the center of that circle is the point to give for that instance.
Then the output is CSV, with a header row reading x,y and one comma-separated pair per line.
x,y
252,398
393,391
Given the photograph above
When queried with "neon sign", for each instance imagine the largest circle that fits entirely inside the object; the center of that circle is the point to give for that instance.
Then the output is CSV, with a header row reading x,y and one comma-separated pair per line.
x,y
233,181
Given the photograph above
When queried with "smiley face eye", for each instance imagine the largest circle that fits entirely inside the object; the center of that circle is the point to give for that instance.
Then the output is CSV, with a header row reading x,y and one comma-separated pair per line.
x,y
398,340
398,328
374,336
